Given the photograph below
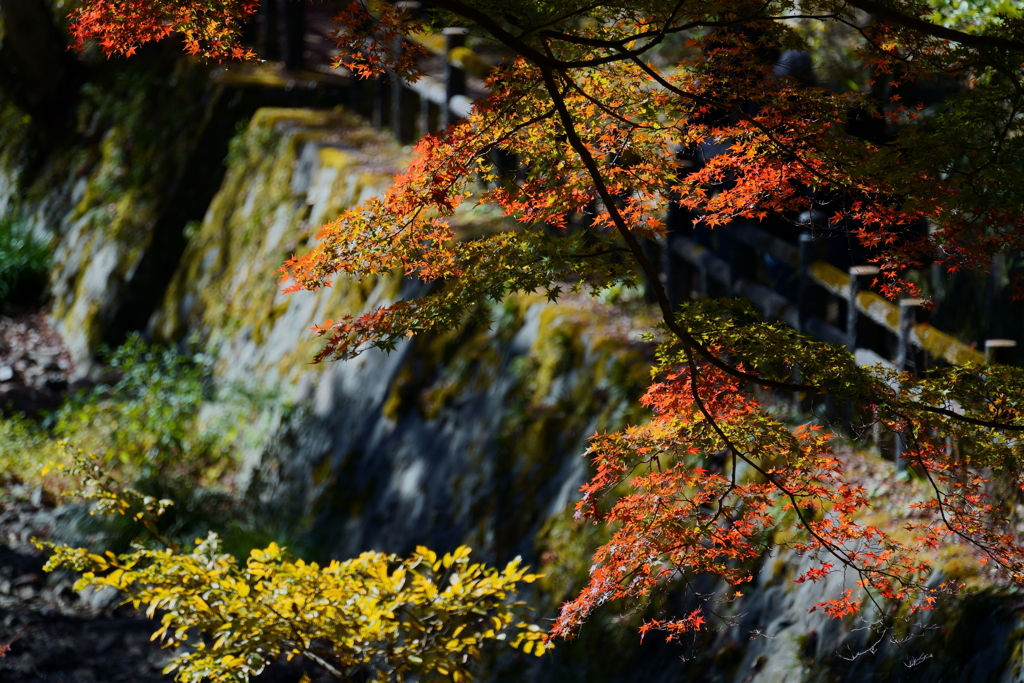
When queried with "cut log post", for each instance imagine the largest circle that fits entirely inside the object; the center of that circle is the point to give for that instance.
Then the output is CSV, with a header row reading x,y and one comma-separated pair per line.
x,y
395,114
1001,351
397,97
652,252
270,39
861,278
809,305
678,271
742,261
293,34
861,333
454,77
423,122
909,313
408,121
406,107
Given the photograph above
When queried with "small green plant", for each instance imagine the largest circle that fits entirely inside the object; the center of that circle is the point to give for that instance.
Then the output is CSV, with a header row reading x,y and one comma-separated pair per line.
x,y
377,615
147,419
23,445
24,265
147,427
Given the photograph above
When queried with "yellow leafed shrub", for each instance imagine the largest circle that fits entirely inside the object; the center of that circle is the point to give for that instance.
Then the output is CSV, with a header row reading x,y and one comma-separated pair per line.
x,y
424,617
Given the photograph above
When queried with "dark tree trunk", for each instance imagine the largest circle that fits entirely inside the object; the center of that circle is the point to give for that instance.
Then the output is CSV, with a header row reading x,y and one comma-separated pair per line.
x,y
36,70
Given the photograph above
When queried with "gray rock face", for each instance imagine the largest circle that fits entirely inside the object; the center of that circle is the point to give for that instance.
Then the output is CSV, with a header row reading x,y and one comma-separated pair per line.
x,y
105,200
376,477
386,451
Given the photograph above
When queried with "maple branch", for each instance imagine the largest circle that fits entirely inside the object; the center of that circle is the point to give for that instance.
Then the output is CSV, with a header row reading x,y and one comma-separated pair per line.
x,y
637,251
495,28
667,29
657,35
946,412
524,48
939,496
872,649
738,112
609,111
847,558
570,13
605,252
547,65
479,152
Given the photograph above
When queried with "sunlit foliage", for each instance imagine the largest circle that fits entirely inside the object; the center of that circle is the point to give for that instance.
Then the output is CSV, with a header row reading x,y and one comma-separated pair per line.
x,y
389,618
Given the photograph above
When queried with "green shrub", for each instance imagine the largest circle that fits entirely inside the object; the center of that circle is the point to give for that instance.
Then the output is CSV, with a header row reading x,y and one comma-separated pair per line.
x,y
24,266
24,447
144,423
375,617
146,428
147,419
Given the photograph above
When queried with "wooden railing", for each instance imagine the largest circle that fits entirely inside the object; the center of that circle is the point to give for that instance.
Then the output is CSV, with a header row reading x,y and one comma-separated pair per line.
x,y
917,344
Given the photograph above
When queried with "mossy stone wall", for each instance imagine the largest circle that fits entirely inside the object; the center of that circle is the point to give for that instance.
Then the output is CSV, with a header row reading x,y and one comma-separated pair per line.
x,y
98,193
472,436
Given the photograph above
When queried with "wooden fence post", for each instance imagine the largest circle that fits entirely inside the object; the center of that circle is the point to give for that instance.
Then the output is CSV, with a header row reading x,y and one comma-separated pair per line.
x,y
909,311
397,95
1001,351
270,40
423,120
652,252
742,261
861,277
678,271
857,332
809,297
454,77
293,35
404,102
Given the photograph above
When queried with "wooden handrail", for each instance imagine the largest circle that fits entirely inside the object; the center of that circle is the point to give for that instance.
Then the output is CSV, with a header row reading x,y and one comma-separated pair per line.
x,y
887,314
772,305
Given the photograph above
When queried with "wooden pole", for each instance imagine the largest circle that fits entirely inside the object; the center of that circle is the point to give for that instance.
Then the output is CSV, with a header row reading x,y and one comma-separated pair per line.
x,y
405,107
377,118
861,278
812,248
270,47
397,92
293,34
423,122
454,77
678,271
909,311
742,261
